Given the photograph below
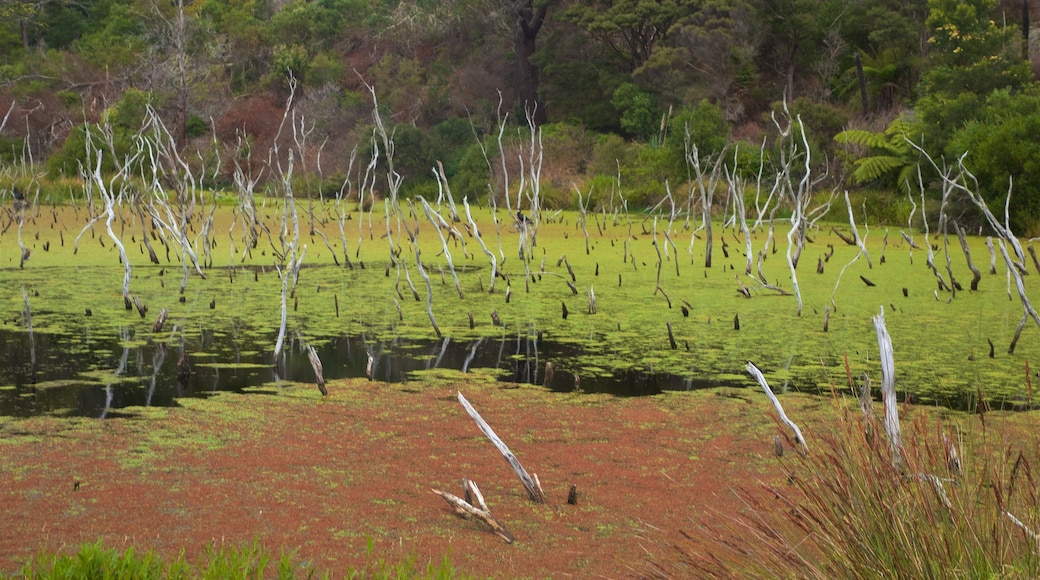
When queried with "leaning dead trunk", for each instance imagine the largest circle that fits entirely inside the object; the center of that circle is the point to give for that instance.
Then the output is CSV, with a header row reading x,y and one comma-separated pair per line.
x,y
533,487
976,275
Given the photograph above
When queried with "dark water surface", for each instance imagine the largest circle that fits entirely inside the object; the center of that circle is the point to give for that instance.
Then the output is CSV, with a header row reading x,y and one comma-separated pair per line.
x,y
85,375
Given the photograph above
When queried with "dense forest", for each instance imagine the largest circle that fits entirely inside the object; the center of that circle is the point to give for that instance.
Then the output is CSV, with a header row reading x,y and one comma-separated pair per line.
x,y
618,92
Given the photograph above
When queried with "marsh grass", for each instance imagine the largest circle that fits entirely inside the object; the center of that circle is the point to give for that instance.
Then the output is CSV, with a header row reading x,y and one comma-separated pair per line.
x,y
95,561
961,503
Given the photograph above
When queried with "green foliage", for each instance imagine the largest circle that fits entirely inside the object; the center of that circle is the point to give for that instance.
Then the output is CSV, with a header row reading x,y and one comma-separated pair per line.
x,y
11,149
890,159
196,126
640,115
609,152
889,77
704,124
579,93
470,175
289,62
704,127
822,121
971,56
118,43
94,561
314,25
120,123
1002,149
643,181
325,68
630,29
750,161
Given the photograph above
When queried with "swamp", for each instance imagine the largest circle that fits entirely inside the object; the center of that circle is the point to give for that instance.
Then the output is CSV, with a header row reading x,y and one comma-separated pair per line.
x,y
88,354
189,367
661,320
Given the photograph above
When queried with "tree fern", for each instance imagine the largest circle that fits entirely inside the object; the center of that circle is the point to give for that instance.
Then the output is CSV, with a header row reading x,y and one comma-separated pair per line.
x,y
889,158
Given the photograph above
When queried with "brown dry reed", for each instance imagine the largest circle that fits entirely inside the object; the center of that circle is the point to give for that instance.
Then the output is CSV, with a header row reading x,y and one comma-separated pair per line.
x,y
961,502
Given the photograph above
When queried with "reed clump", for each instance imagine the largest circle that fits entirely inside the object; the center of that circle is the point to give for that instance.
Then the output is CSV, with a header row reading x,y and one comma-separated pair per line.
x,y
957,498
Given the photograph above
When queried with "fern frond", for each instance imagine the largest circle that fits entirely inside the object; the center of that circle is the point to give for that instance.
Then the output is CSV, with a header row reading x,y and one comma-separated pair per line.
x,y
893,144
871,168
862,138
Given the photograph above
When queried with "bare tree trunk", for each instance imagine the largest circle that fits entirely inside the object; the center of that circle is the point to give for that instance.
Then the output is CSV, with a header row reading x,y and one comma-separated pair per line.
x,y
862,79
529,22
976,275
180,123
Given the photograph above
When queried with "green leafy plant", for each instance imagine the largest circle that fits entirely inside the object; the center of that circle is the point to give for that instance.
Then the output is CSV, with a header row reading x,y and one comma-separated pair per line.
x,y
95,561
890,159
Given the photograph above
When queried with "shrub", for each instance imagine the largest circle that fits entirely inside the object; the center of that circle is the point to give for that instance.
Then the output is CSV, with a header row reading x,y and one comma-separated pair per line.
x,y
640,115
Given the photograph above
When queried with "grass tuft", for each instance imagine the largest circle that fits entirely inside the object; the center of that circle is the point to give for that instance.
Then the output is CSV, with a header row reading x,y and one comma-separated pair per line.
x,y
962,502
94,561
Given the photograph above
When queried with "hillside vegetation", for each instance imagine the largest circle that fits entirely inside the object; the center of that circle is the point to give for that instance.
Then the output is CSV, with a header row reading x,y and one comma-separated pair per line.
x,y
621,92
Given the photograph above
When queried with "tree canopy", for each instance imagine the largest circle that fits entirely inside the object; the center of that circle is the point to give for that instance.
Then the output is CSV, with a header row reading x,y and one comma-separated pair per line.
x,y
618,69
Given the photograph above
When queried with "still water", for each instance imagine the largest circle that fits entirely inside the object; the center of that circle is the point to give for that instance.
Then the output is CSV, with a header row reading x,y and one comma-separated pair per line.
x,y
85,375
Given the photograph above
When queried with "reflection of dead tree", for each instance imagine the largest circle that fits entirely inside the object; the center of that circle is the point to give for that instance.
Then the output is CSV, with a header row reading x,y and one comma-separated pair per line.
x,y
29,327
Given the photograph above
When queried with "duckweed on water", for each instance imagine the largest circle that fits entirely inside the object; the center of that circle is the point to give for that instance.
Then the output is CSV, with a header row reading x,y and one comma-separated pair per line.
x,y
224,326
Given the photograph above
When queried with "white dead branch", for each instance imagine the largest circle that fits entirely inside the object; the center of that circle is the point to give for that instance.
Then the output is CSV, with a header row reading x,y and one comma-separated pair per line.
x,y
753,370
483,246
319,375
479,511
534,489
888,387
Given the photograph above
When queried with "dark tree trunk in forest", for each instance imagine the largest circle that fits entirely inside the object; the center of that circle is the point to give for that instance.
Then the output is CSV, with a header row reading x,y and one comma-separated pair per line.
x,y
528,23
862,78
1025,30
180,128
792,53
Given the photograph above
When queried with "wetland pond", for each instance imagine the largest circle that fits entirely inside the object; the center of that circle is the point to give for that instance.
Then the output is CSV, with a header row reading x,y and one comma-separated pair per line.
x,y
661,321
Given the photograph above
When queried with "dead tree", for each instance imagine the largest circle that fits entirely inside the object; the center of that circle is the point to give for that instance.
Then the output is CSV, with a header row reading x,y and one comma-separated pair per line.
x,y
476,234
976,275
465,508
531,484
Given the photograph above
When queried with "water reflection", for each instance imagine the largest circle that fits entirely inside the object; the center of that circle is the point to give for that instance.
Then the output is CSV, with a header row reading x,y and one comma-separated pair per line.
x,y
82,374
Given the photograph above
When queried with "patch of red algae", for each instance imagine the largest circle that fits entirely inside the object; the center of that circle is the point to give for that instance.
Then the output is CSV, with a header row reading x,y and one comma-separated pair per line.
x,y
325,477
